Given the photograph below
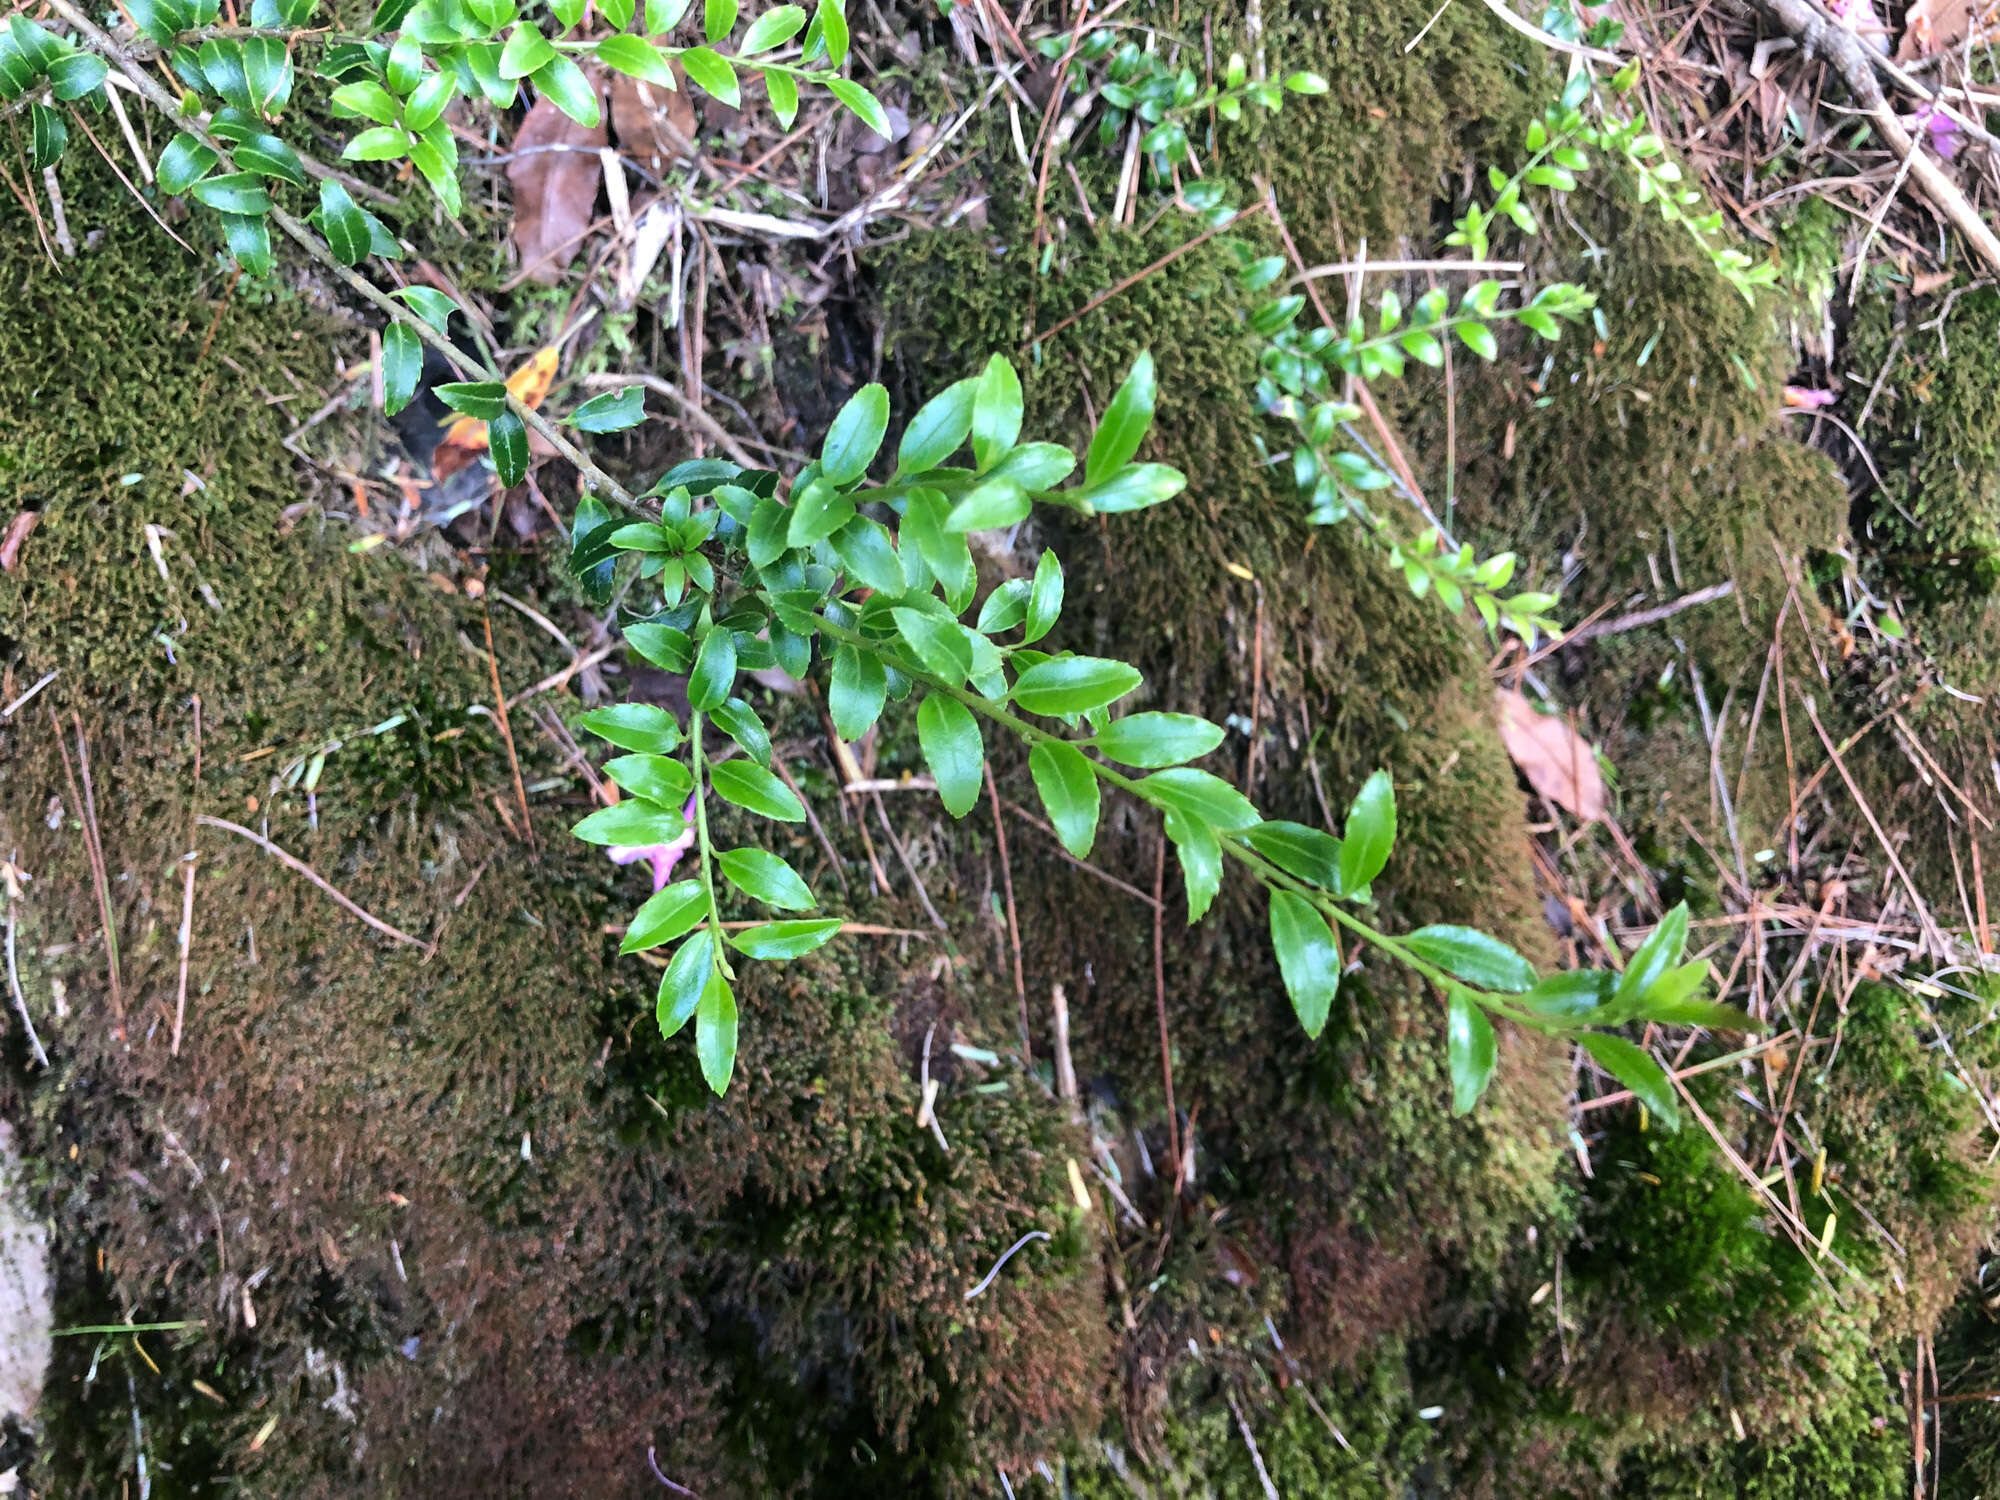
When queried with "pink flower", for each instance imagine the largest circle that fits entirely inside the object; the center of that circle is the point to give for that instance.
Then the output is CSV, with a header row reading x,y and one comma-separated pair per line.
x,y
1942,130
662,857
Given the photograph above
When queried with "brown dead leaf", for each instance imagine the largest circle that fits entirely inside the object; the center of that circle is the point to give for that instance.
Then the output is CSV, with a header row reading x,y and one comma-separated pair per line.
x,y
17,533
555,192
1933,26
655,126
1558,762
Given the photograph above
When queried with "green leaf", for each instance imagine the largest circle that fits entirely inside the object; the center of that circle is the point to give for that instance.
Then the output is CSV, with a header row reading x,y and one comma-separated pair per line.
x,y
249,241
783,91
783,940
618,13
829,30
869,554
686,977
233,193
996,412
1153,740
773,29
715,1033
662,16
944,553
1573,995
714,674
764,877
1069,791
941,645
1123,426
663,645
752,787
989,506
938,430
634,726
1479,339
76,74
1005,607
257,150
1200,854
718,19
429,100
1307,853
507,441
739,721
433,306
614,411
402,365
712,71
1308,958
1073,685
383,143
1371,834
856,692
565,83
1035,467
1200,795
819,509
527,52
47,135
1045,598
949,737
654,777
1469,1048
183,165
344,224
1659,953
866,107
1474,957
567,13
1134,487
856,434
482,399
1635,1069
267,70
633,824
668,914
637,57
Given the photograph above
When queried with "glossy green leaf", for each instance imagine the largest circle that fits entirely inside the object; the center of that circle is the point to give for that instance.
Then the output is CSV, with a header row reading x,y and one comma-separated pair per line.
x,y
1035,467
433,306
1073,685
739,721
402,366
1153,740
47,136
867,551
507,441
429,100
773,29
714,676
819,509
776,941
526,53
715,1033
665,646
718,19
938,430
866,107
343,223
565,83
249,241
996,413
855,436
233,193
1045,598
614,411
1069,791
1473,956
829,27
1635,1068
1123,426
256,149
1200,855
382,143
1308,958
184,163
1200,795
764,877
654,777
989,506
637,57
1307,853
711,71
941,645
1656,956
685,979
662,16
482,399
856,692
1370,834
267,69
1134,487
634,726
75,74
756,789
949,738
1470,1051
668,914
783,92
632,824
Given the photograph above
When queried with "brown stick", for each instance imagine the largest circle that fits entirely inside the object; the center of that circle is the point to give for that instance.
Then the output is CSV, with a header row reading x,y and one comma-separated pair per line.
x,y
293,862
1013,922
94,851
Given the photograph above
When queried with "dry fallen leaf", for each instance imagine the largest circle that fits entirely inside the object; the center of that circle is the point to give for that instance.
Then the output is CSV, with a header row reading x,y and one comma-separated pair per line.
x,y
555,192
1933,26
1558,762
655,126
17,534
466,438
